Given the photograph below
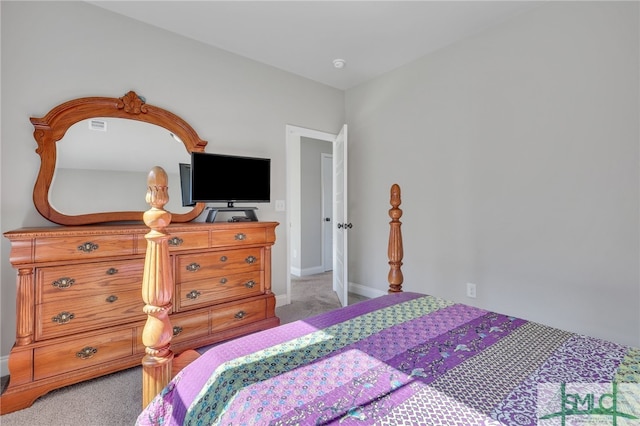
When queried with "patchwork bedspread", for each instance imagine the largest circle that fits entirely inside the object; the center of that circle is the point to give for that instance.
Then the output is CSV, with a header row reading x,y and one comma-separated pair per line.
x,y
403,358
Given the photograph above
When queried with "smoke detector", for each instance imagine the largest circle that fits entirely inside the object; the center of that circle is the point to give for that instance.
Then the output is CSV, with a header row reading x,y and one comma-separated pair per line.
x,y
339,63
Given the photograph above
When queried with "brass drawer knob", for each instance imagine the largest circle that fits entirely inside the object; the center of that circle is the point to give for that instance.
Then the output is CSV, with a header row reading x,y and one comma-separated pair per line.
x,y
112,298
193,294
192,267
63,317
112,271
250,284
240,236
251,259
62,283
223,280
241,315
87,352
88,247
175,241
176,330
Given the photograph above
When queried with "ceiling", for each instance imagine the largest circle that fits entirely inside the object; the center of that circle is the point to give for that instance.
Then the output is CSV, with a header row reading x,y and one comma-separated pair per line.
x,y
304,37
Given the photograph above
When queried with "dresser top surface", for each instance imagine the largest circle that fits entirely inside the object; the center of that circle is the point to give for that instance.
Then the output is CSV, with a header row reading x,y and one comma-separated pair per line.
x,y
130,228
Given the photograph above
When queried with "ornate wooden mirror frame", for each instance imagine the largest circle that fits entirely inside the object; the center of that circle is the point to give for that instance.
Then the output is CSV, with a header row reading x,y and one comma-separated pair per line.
x,y
52,127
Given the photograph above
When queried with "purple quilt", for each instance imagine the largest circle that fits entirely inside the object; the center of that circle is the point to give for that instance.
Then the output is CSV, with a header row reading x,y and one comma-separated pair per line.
x,y
404,358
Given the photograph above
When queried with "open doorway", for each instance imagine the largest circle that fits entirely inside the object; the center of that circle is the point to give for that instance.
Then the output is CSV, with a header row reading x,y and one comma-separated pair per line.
x,y
308,252
306,212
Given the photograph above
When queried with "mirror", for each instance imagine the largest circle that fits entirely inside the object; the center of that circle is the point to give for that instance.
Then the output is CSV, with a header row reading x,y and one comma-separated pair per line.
x,y
88,175
90,160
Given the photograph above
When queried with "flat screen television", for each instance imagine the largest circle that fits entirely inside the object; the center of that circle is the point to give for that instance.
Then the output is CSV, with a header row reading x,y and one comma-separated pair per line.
x,y
185,184
230,179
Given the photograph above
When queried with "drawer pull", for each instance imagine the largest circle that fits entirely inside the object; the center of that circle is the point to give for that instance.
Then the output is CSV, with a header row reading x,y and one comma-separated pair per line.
x,y
176,330
223,258
250,284
87,247
192,267
223,280
112,299
193,294
240,236
241,315
63,317
175,241
251,259
87,352
112,271
63,282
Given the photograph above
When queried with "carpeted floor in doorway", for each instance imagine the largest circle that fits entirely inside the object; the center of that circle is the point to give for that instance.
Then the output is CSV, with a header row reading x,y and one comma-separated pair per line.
x,y
312,295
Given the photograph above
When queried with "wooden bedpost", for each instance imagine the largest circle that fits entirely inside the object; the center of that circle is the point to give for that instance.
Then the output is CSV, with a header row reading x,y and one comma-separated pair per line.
x,y
157,289
395,252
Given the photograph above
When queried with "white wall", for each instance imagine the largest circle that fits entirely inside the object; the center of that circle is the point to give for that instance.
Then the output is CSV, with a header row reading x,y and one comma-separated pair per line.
x,y
56,51
517,153
516,149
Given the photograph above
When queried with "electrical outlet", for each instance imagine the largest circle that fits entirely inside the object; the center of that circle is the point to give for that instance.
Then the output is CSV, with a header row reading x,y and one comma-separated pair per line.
x,y
471,290
279,205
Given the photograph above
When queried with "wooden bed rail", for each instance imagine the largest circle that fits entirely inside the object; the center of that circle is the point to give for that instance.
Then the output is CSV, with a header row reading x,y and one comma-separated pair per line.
x,y
395,251
157,289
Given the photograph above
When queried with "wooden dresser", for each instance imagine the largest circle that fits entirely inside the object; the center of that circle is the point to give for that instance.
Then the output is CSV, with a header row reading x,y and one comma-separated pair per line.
x,y
79,304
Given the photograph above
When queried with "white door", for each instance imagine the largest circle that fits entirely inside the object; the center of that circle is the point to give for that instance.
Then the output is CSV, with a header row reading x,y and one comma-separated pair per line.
x,y
327,212
340,219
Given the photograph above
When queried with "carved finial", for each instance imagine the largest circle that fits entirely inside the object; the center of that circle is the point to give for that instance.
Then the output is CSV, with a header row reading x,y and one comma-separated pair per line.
x,y
132,103
395,202
157,196
157,188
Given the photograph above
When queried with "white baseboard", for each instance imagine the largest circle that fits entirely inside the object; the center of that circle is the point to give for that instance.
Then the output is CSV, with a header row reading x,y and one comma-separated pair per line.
x,y
307,271
365,291
281,300
4,365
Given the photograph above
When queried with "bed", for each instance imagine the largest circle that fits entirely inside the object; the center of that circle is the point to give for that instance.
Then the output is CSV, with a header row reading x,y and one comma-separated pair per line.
x,y
405,358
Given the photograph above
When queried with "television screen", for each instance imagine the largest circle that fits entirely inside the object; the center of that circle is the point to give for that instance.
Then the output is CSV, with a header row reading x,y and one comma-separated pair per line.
x,y
229,179
185,184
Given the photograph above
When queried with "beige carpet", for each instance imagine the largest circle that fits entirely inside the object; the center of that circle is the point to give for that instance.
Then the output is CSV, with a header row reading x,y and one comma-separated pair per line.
x,y
116,399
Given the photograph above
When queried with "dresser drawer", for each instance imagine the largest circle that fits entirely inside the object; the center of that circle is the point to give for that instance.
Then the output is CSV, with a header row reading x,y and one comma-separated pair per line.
x,y
68,316
231,237
82,352
185,327
97,278
202,266
200,293
83,247
238,315
186,240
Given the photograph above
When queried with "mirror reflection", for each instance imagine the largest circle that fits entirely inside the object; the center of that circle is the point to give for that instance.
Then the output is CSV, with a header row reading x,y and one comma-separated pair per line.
x,y
102,165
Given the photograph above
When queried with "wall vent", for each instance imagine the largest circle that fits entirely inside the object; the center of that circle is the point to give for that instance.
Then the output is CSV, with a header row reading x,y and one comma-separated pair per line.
x,y
99,125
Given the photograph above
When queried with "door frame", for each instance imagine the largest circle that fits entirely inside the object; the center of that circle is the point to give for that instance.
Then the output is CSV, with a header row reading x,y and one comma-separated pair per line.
x,y
292,153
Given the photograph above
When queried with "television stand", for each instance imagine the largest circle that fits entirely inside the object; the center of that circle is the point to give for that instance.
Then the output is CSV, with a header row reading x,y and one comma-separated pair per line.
x,y
249,213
